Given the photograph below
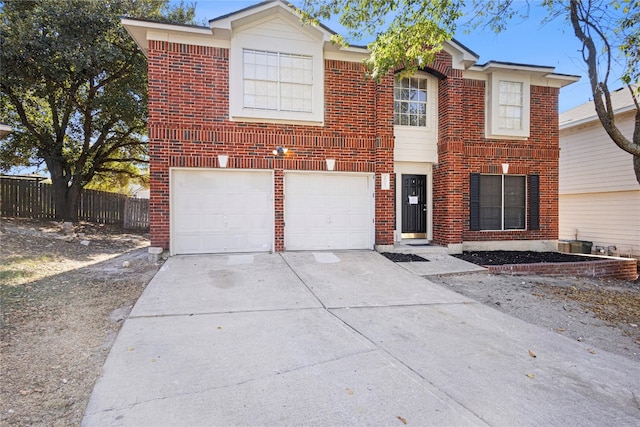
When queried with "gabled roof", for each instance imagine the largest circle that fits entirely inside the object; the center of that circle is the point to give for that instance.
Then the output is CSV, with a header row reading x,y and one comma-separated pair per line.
x,y
226,22
621,101
223,26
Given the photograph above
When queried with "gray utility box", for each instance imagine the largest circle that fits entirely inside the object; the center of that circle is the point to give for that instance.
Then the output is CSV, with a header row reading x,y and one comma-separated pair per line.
x,y
581,247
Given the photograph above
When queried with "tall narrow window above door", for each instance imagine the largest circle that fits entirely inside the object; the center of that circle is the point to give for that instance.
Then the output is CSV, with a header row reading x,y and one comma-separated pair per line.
x,y
510,105
410,102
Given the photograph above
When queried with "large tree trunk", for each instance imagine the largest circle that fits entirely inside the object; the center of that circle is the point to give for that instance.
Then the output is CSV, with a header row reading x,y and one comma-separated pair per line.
x,y
636,167
66,200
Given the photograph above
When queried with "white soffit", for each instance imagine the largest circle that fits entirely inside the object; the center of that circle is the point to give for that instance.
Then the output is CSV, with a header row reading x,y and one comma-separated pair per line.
x,y
541,75
462,57
142,31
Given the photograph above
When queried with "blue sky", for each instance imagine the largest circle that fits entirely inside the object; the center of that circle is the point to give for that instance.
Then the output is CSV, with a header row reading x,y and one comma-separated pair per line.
x,y
528,42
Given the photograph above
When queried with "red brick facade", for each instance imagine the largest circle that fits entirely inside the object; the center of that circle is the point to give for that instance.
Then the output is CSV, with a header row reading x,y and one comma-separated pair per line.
x,y
463,149
189,126
619,268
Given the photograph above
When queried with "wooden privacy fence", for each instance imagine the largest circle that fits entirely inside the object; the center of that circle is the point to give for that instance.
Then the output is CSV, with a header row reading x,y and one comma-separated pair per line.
x,y
28,198
136,214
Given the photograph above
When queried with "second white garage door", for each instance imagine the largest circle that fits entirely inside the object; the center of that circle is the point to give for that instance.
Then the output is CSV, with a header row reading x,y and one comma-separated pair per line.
x,y
328,211
215,211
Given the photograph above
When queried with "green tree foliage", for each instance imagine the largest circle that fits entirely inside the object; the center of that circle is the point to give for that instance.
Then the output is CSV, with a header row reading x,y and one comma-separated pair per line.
x,y
408,33
74,88
123,183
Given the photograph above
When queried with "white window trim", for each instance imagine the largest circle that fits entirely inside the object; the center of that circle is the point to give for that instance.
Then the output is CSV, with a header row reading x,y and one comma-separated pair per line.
x,y
425,103
492,108
279,82
237,112
432,104
526,203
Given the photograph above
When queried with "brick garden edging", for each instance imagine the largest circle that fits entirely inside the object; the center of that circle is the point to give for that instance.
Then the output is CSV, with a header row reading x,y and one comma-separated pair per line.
x,y
611,267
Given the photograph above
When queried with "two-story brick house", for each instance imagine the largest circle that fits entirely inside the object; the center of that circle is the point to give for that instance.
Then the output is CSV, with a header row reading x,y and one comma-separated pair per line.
x,y
264,136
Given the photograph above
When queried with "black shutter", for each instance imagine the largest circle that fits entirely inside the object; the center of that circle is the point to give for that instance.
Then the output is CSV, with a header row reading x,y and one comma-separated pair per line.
x,y
474,202
534,202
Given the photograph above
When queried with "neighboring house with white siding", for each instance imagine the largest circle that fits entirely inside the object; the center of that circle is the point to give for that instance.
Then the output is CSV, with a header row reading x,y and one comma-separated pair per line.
x,y
4,130
599,193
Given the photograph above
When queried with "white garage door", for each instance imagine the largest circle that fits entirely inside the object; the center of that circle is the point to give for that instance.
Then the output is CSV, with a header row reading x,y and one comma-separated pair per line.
x,y
328,211
215,211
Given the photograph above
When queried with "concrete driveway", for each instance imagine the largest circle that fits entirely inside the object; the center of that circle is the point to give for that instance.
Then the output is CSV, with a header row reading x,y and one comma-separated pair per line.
x,y
343,338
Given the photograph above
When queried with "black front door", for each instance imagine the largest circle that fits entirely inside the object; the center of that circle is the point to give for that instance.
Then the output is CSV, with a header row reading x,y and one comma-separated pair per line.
x,y
414,206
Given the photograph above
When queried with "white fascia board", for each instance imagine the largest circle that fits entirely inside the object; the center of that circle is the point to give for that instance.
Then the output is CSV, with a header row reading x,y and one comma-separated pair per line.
x,y
348,54
562,79
142,31
187,38
505,66
462,58
128,22
540,75
137,32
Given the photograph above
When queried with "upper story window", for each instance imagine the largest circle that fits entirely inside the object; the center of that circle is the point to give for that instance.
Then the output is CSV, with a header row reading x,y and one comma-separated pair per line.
x,y
410,102
508,106
276,70
277,81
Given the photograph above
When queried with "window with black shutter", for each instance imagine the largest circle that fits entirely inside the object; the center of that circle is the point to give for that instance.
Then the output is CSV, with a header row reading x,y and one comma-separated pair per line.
x,y
534,202
497,202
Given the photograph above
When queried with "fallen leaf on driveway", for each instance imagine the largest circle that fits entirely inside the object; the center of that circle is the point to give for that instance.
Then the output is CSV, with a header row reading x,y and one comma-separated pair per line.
x,y
404,421
532,354
531,376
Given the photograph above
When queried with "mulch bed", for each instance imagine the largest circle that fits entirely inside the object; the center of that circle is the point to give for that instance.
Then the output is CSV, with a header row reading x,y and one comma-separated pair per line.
x,y
517,257
404,257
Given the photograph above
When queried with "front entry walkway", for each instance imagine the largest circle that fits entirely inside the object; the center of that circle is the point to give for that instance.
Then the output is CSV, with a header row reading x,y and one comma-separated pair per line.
x,y
439,260
342,338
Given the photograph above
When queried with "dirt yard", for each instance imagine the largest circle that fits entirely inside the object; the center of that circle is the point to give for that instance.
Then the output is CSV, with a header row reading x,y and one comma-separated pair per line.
x,y
603,313
63,296
65,293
